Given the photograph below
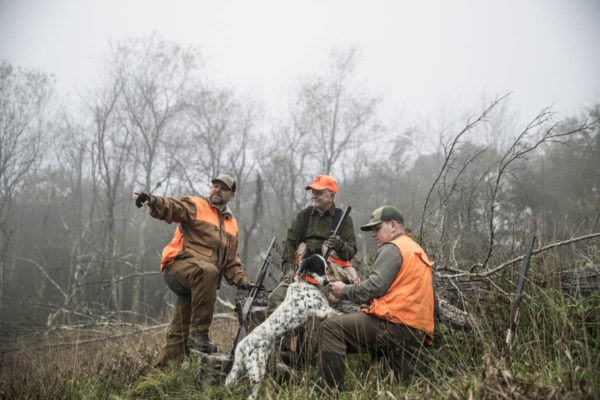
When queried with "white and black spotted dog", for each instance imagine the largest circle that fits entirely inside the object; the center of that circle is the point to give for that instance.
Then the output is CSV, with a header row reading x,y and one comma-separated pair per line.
x,y
303,300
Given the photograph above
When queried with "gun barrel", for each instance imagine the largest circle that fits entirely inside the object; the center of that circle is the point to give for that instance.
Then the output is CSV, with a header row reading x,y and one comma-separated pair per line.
x,y
337,230
514,311
525,265
260,277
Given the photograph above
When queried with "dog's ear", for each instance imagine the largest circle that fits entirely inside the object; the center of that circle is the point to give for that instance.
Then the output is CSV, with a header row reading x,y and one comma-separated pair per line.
x,y
322,269
322,266
304,266
316,268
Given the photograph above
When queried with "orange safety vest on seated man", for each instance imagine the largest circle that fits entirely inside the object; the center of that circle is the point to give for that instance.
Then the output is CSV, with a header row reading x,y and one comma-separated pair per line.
x,y
409,300
204,246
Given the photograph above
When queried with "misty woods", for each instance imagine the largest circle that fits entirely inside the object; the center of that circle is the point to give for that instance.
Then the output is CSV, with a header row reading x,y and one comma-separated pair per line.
x,y
75,250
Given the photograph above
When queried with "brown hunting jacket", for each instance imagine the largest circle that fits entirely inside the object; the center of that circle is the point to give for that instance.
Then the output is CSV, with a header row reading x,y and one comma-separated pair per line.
x,y
203,232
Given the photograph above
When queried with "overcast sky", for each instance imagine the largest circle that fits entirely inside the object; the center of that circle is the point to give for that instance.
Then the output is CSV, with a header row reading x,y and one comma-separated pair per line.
x,y
421,56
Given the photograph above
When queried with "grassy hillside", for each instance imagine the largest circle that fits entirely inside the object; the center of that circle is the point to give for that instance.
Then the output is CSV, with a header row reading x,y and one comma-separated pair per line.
x,y
554,356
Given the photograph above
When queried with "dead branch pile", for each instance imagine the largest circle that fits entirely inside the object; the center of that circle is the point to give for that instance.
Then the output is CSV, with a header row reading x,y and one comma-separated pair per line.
x,y
581,282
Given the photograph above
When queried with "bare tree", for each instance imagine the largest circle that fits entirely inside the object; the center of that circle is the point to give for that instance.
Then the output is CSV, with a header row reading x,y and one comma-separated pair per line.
x,y
249,227
243,162
113,150
155,77
333,112
467,197
24,100
528,140
450,148
285,165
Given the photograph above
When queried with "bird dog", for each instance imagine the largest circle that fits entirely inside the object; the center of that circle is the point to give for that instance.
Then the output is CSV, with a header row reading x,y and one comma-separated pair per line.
x,y
303,300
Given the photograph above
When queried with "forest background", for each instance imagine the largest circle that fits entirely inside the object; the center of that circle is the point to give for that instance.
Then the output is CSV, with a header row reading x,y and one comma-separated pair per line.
x,y
75,253
75,249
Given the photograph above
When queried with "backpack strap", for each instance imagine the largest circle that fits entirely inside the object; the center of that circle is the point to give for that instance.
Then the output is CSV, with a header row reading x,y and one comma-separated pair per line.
x,y
305,220
336,218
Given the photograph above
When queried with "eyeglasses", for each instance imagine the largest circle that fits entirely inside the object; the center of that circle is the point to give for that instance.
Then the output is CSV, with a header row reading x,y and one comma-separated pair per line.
x,y
319,193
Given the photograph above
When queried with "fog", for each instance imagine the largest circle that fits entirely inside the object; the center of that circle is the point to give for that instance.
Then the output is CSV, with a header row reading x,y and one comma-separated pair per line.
x,y
421,57
479,122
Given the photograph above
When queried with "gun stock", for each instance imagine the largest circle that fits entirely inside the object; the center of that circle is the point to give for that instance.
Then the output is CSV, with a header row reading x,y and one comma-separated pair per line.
x,y
262,272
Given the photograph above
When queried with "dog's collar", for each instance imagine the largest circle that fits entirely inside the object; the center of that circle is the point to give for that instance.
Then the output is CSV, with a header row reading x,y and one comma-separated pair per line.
x,y
309,279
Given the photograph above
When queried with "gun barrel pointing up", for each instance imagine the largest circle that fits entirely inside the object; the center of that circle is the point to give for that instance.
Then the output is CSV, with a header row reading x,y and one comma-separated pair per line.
x,y
514,310
260,277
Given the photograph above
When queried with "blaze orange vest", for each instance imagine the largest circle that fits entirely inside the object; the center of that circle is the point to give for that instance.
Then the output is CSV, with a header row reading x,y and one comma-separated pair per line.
x,y
409,300
206,213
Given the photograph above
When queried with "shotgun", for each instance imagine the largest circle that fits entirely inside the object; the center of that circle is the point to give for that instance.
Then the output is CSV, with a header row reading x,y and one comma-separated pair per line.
x,y
262,272
514,310
335,232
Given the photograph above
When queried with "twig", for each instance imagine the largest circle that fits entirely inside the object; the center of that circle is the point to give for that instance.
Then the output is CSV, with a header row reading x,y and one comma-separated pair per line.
x,y
108,282
455,141
226,303
45,273
109,337
492,271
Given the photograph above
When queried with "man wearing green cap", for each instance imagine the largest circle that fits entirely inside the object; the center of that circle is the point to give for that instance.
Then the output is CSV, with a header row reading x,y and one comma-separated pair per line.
x,y
398,317
204,248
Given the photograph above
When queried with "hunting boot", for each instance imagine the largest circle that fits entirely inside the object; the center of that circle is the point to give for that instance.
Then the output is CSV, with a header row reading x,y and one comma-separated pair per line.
x,y
199,341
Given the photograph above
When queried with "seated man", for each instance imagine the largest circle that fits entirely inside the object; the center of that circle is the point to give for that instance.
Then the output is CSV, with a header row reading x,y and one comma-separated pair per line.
x,y
310,234
399,317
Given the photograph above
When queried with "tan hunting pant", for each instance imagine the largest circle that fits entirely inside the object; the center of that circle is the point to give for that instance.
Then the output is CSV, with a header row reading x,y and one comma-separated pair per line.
x,y
192,313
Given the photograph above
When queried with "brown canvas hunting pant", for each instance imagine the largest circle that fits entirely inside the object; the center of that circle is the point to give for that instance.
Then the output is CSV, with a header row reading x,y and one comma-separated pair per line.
x,y
195,283
393,347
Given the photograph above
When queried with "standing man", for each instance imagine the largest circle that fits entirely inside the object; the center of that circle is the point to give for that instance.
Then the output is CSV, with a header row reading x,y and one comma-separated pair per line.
x,y
204,247
310,234
398,319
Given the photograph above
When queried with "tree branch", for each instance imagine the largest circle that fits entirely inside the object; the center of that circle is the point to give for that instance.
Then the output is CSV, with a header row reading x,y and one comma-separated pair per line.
x,y
502,266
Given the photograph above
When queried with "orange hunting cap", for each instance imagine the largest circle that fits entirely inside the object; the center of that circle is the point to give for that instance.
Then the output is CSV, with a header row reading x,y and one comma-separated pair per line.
x,y
323,182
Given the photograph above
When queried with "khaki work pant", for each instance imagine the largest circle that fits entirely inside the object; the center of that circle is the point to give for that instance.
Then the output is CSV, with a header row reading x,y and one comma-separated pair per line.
x,y
392,346
193,313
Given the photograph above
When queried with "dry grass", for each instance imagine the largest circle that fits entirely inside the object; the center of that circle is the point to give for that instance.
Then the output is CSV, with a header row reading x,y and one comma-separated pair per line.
x,y
55,364
554,357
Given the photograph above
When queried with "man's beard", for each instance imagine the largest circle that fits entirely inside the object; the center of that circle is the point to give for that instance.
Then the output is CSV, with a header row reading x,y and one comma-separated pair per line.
x,y
217,201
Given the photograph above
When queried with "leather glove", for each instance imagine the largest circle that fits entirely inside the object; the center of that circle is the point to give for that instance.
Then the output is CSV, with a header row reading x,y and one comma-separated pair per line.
x,y
142,198
335,243
248,285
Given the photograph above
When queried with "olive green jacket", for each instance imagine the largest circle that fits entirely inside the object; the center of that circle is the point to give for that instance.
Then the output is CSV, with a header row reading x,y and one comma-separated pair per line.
x,y
318,230
386,266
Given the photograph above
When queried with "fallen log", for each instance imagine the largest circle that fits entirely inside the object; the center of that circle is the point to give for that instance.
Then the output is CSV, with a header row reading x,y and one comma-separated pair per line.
x,y
580,282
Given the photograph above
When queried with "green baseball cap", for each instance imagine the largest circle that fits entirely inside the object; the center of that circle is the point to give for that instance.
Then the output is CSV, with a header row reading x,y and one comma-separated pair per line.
x,y
385,213
227,180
